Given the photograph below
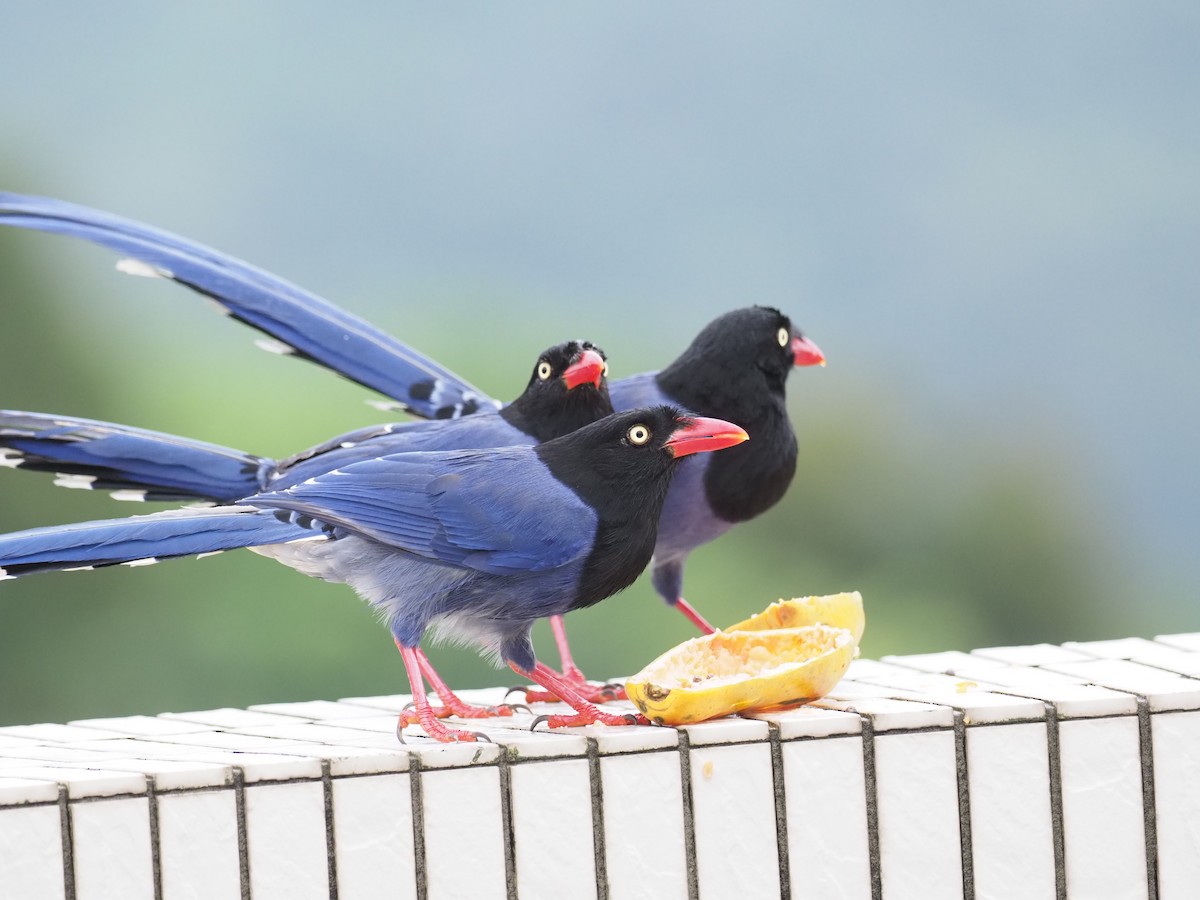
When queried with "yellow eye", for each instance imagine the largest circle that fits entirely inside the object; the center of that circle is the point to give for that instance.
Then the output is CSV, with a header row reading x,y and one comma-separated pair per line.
x,y
606,370
783,337
638,435
544,370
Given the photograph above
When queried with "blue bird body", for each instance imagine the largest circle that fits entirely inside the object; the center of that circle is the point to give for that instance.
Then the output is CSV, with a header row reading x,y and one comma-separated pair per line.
x,y
479,542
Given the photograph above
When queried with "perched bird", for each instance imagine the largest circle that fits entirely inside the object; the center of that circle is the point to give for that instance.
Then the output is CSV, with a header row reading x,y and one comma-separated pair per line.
x,y
735,368
477,543
566,390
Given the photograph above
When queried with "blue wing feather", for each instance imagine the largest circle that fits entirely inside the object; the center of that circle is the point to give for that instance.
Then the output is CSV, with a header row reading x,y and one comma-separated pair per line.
x,y
499,511
311,326
160,535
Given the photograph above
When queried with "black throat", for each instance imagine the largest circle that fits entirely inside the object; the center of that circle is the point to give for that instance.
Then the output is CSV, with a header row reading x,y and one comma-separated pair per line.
x,y
544,417
627,501
746,480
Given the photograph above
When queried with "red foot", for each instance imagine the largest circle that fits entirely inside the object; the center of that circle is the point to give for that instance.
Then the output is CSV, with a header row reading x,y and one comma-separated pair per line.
x,y
592,691
433,727
562,689
585,718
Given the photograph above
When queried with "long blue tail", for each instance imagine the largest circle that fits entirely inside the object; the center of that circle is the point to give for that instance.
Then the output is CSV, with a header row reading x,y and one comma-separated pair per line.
x,y
133,463
139,540
303,323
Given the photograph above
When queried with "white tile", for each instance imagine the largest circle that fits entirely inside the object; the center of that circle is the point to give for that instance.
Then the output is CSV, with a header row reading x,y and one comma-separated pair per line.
x,y
373,827
867,669
919,847
198,845
1011,827
83,782
312,710
552,824
1176,740
827,819
1163,690
636,738
733,799
111,840
947,661
227,717
1102,807
732,729
31,861
139,726
8,741
1022,676
462,810
812,722
1118,648
643,826
285,836
49,732
18,791
1032,655
1172,659
980,707
50,753
1076,701
1188,641
888,714
436,755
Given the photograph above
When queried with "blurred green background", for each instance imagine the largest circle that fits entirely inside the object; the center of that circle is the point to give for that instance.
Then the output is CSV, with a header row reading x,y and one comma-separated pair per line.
x,y
985,216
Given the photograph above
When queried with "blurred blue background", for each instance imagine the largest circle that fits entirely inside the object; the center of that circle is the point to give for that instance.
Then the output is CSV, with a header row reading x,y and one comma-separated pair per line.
x,y
987,217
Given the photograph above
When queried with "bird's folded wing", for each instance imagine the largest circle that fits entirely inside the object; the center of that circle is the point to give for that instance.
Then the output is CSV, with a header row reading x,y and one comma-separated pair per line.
x,y
306,325
497,511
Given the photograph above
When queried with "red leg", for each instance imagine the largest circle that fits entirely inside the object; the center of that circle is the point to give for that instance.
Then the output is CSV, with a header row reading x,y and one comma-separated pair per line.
x,y
452,704
424,713
570,671
571,674
693,616
585,713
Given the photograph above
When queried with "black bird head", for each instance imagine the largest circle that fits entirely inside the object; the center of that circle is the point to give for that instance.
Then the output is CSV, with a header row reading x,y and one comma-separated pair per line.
x,y
622,466
567,390
739,363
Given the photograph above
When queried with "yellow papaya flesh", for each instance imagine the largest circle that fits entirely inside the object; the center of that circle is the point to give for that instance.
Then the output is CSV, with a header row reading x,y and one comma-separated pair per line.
x,y
793,652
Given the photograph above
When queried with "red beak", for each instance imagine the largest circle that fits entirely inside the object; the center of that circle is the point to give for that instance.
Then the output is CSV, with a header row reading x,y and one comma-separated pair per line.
x,y
588,368
701,435
806,353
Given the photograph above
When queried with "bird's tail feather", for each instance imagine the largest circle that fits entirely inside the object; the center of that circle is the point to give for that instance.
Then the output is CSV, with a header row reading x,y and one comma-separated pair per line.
x,y
133,463
140,540
299,322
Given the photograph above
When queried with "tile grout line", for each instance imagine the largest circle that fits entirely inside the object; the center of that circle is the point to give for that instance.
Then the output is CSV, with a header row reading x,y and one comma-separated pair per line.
x,y
155,841
239,801
689,819
781,824
508,835
871,790
966,846
1149,808
330,835
599,845
1057,830
418,826
68,843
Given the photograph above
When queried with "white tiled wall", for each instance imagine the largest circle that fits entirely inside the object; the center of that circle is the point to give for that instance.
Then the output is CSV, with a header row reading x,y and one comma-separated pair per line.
x,y
1031,772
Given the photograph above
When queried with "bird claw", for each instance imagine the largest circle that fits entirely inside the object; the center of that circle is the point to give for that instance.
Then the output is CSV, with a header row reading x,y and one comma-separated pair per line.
x,y
439,732
584,718
593,693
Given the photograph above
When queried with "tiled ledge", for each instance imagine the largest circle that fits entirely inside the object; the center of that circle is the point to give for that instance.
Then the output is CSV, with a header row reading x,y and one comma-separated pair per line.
x,y
1030,772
